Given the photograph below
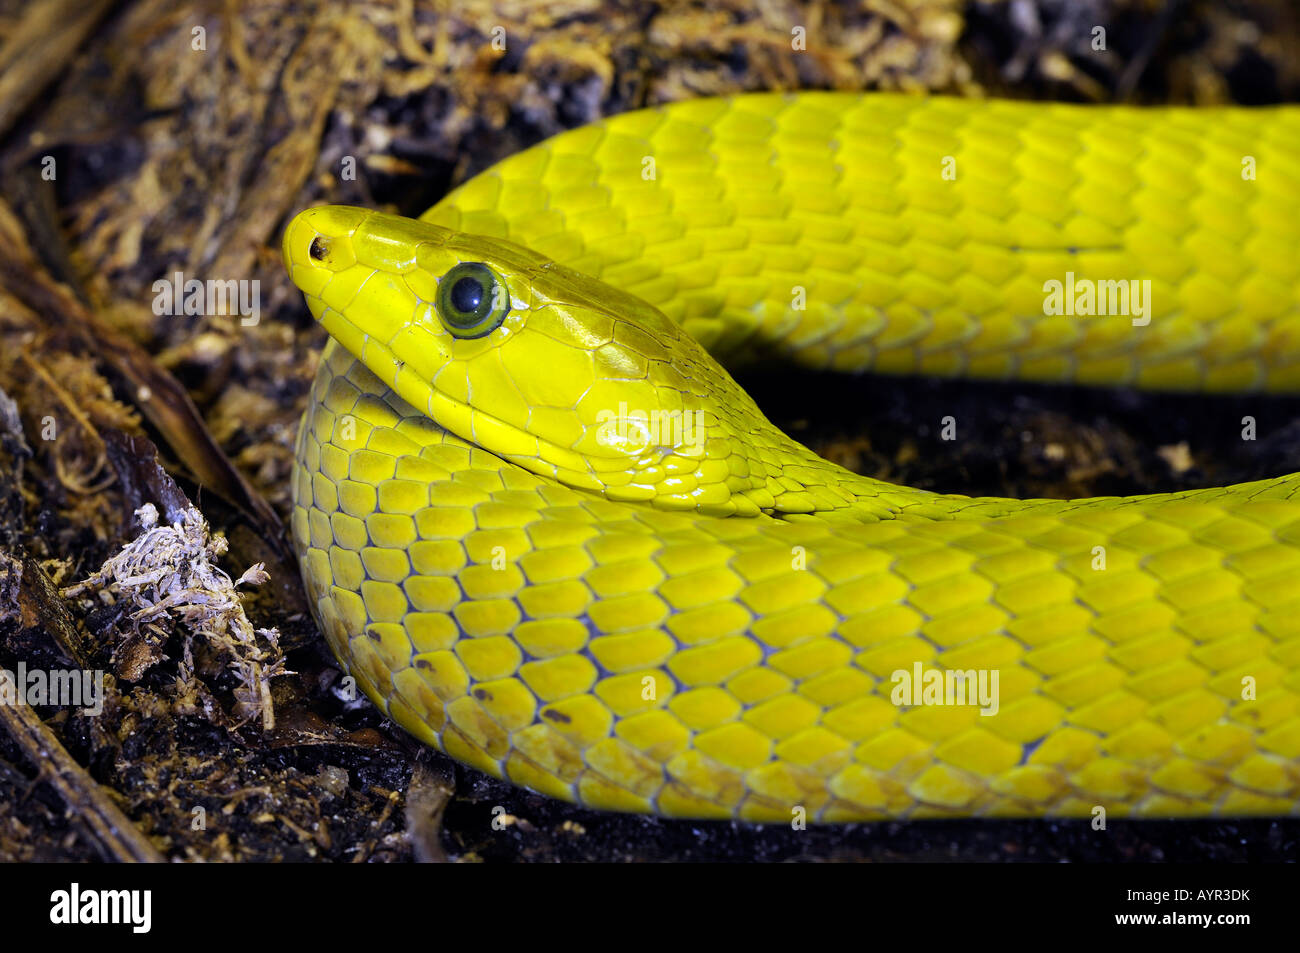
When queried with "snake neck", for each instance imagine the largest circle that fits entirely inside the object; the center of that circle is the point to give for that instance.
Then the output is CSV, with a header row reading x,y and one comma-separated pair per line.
x,y
706,446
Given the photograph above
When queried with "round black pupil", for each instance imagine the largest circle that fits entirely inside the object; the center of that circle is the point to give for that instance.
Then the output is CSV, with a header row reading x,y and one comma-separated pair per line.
x,y
467,295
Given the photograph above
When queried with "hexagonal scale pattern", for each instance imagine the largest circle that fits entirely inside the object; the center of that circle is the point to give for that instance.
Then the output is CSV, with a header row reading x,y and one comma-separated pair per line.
x,y
625,658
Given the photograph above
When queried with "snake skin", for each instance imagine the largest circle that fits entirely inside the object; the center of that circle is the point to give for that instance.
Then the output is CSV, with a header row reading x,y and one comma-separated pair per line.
x,y
716,629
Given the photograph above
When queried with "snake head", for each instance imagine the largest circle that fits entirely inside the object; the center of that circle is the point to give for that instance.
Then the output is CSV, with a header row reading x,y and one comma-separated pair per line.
x,y
537,363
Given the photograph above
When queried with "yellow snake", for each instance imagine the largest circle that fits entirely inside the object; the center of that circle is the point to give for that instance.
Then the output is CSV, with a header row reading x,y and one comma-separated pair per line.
x,y
549,535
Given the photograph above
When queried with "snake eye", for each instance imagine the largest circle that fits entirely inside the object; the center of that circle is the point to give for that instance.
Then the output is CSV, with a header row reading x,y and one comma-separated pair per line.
x,y
472,301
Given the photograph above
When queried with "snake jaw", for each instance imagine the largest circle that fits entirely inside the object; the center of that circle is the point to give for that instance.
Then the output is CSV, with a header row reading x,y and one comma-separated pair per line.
x,y
580,381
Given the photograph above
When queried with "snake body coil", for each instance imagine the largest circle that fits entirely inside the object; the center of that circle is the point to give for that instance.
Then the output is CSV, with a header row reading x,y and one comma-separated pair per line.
x,y
549,535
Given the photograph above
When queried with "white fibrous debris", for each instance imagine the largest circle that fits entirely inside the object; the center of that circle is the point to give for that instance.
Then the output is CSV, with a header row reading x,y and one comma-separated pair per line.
x,y
169,573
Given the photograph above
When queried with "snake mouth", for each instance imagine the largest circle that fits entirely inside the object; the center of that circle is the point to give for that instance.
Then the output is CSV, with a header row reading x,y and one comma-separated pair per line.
x,y
560,399
373,284
316,246
478,427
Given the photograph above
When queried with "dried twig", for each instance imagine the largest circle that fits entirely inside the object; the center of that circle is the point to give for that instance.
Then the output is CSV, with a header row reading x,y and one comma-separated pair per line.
x,y
430,790
39,49
86,801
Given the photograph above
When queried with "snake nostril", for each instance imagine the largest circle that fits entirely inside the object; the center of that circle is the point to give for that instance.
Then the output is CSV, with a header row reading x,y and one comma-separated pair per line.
x,y
318,248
